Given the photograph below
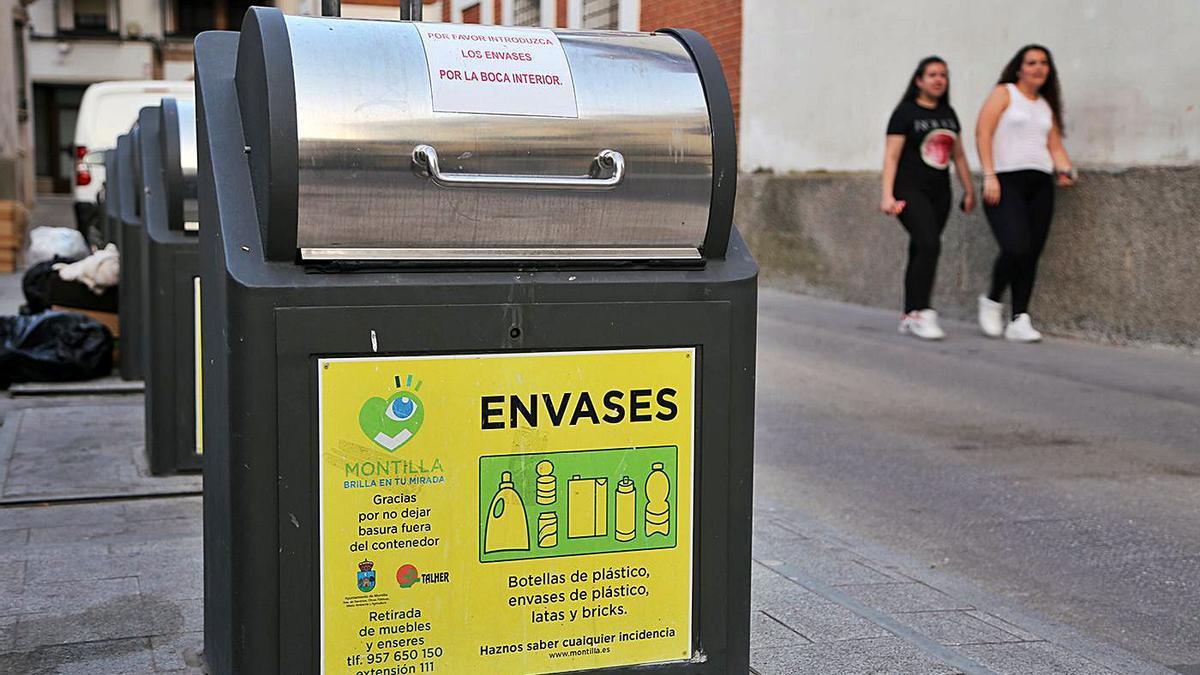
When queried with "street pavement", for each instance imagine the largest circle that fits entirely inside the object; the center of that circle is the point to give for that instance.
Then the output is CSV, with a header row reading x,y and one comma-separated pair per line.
x,y
969,507
1062,478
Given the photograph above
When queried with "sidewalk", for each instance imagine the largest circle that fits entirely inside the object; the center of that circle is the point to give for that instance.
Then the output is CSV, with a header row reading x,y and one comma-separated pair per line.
x,y
823,604
101,572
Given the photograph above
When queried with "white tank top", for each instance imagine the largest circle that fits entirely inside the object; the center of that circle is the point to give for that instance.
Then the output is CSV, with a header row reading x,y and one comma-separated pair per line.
x,y
1020,139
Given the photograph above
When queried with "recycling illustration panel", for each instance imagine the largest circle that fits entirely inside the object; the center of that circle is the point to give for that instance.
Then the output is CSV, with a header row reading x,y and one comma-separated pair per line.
x,y
612,500
544,499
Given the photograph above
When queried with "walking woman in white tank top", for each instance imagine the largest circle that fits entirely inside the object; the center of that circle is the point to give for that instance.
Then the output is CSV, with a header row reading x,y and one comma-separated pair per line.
x,y
1019,138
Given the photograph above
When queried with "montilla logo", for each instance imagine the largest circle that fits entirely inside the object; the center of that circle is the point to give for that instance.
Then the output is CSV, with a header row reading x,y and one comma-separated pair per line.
x,y
393,421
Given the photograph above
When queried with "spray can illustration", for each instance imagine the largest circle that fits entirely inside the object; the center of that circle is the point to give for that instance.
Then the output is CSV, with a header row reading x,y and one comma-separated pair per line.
x,y
507,528
658,509
547,487
626,509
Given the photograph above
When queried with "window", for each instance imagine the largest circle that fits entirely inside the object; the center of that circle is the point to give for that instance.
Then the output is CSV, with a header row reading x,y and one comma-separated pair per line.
x,y
91,17
527,12
188,18
19,24
600,14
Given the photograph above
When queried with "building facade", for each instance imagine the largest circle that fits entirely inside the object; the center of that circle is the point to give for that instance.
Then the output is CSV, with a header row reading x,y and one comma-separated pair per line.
x,y
16,130
820,79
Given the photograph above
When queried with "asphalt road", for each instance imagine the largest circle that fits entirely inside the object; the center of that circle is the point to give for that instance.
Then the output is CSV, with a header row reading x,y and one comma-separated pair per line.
x,y
1063,477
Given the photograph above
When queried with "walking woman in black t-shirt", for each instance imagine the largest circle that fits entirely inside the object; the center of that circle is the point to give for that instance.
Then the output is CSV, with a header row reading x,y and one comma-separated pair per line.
x,y
922,142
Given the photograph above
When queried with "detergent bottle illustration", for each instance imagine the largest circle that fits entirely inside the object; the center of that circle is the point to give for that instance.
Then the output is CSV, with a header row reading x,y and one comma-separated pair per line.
x,y
507,528
658,509
626,509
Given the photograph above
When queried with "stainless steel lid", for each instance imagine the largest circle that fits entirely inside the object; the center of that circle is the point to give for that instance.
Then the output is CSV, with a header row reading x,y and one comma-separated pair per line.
x,y
446,142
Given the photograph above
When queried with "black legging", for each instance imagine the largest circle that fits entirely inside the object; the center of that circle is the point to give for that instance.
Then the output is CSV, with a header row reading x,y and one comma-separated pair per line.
x,y
1021,223
924,216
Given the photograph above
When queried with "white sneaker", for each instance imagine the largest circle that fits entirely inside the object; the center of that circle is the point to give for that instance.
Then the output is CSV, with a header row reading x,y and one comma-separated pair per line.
x,y
990,321
1020,329
922,324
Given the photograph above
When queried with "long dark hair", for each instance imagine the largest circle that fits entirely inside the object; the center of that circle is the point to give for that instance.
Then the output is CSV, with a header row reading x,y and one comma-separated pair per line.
x,y
1049,90
910,94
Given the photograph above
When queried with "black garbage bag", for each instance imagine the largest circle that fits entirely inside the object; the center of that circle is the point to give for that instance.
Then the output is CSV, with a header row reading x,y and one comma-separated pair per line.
x,y
36,285
53,347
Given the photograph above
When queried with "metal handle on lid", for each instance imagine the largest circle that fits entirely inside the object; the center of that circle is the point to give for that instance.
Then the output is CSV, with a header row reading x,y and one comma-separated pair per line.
x,y
606,161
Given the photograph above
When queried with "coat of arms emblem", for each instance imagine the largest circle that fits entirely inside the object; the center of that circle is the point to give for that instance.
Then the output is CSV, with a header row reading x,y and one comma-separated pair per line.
x,y
366,576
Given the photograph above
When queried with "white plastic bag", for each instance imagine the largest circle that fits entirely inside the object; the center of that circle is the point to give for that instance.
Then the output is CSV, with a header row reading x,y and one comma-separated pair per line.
x,y
98,271
47,242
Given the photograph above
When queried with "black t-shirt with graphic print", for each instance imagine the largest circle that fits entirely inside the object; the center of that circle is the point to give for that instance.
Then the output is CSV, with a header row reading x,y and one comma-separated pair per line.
x,y
929,138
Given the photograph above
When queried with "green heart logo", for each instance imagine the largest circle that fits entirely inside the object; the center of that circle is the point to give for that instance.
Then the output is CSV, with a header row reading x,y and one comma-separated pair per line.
x,y
392,422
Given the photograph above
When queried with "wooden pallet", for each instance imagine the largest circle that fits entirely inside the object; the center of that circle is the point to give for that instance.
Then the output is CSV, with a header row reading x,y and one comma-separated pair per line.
x,y
13,217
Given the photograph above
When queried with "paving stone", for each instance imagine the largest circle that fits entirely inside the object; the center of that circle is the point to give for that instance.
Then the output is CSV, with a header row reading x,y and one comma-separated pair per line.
x,y
832,564
805,612
10,539
767,631
955,628
1031,658
58,514
53,571
67,594
8,632
12,588
192,611
178,652
879,655
1006,626
119,532
108,657
12,580
116,618
172,577
78,450
165,509
892,598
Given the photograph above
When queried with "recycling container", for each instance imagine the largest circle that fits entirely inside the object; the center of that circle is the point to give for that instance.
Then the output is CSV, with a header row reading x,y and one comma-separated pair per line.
x,y
172,282
478,344
132,290
112,214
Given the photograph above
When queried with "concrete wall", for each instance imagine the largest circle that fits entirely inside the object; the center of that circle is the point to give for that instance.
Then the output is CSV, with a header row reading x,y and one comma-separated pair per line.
x,y
819,79
1122,262
85,61
16,133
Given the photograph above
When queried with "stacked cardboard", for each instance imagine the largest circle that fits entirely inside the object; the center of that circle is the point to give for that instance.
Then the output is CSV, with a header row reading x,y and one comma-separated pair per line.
x,y
12,233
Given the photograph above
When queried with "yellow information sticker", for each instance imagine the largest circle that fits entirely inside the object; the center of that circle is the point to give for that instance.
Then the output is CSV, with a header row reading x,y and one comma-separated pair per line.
x,y
506,513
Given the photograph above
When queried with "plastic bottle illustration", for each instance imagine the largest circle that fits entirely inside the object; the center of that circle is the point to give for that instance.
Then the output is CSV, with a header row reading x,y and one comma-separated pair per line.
x,y
626,509
658,509
547,530
507,528
547,488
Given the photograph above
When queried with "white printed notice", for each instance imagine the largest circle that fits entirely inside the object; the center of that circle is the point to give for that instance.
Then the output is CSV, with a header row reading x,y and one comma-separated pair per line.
x,y
499,71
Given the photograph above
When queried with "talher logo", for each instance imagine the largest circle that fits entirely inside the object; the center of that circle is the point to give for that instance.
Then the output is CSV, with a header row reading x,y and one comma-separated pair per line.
x,y
393,421
407,575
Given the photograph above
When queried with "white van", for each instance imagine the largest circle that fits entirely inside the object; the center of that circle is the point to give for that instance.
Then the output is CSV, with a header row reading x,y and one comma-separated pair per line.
x,y
109,109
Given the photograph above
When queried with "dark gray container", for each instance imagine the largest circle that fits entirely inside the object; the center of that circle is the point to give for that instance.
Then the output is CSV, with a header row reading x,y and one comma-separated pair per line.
x,y
172,278
267,317
112,214
128,185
